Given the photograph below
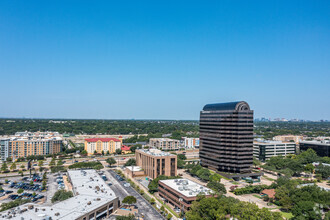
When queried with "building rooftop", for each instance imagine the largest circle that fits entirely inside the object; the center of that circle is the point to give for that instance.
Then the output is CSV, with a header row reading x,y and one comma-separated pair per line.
x,y
240,106
186,187
90,192
268,142
163,139
325,143
155,152
134,168
102,139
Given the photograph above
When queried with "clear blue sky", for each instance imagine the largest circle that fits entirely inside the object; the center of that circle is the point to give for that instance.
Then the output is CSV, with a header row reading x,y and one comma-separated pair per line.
x,y
163,59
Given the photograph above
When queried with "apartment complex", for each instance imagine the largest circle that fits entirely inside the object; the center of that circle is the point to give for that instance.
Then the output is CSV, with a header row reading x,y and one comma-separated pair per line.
x,y
155,162
263,150
24,144
93,199
288,138
180,193
164,143
226,137
190,142
99,145
322,148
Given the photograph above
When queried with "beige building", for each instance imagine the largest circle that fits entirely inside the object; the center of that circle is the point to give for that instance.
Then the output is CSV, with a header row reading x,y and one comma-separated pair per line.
x,y
164,143
288,138
155,162
98,145
24,144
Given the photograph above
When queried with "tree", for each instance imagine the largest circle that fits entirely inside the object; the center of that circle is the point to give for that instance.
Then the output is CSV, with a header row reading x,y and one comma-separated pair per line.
x,y
13,166
4,166
22,166
180,163
129,200
95,152
102,152
110,161
118,151
204,174
41,162
84,152
108,153
182,157
309,168
215,177
169,216
324,171
61,195
21,172
19,191
152,201
217,187
256,162
134,147
130,162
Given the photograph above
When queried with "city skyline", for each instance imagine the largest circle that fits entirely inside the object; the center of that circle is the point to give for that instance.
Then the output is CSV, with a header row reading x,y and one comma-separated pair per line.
x,y
163,60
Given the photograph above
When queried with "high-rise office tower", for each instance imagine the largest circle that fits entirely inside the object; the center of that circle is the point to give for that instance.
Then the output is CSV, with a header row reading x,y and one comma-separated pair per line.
x,y
226,137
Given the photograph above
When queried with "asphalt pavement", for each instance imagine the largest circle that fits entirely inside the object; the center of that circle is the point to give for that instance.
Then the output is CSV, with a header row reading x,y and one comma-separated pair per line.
x,y
145,208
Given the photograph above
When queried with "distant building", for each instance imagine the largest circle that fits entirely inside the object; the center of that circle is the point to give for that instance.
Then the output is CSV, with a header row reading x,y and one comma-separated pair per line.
x,y
180,193
98,145
322,148
155,162
190,142
226,137
288,138
263,150
24,144
164,143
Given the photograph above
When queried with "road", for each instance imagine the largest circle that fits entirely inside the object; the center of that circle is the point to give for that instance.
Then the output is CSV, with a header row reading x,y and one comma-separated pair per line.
x,y
145,207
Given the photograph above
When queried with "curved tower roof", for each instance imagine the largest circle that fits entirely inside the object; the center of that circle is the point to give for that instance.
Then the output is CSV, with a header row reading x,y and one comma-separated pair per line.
x,y
238,106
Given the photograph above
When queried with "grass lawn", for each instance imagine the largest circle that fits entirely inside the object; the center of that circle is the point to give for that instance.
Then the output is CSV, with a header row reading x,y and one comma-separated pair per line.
x,y
287,215
267,178
257,196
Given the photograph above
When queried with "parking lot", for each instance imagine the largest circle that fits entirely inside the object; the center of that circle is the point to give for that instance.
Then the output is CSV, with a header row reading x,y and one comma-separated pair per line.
x,y
14,188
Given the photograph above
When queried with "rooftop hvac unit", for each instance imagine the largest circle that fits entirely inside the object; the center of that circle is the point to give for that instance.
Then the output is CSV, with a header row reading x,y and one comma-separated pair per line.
x,y
190,193
180,188
176,180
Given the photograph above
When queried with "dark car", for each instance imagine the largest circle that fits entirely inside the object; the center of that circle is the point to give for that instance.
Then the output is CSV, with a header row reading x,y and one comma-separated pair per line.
x,y
9,191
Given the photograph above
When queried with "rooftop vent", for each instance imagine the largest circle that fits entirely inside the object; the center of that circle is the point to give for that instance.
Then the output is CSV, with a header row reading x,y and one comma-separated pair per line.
x,y
57,214
88,203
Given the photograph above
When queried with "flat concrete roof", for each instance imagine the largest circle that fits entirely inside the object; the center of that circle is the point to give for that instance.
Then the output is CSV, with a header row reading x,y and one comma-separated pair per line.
x,y
134,168
155,152
88,186
187,187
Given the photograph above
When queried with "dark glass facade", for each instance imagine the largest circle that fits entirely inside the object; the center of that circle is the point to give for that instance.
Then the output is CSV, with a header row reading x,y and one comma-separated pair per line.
x,y
322,149
226,137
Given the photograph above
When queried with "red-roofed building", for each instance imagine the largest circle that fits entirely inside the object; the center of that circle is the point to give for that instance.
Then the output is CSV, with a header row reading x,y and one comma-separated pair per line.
x,y
98,145
126,149
269,192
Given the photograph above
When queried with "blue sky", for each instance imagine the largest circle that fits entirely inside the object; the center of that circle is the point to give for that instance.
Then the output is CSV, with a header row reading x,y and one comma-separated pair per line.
x,y
163,59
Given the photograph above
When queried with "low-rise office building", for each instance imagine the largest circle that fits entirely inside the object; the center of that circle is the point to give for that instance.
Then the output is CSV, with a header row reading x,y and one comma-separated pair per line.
x,y
99,145
155,162
322,148
288,138
263,150
190,142
164,143
24,144
93,199
181,192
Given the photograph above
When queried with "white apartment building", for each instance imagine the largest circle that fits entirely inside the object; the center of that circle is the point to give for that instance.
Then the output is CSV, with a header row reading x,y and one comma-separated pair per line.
x,y
190,142
263,150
